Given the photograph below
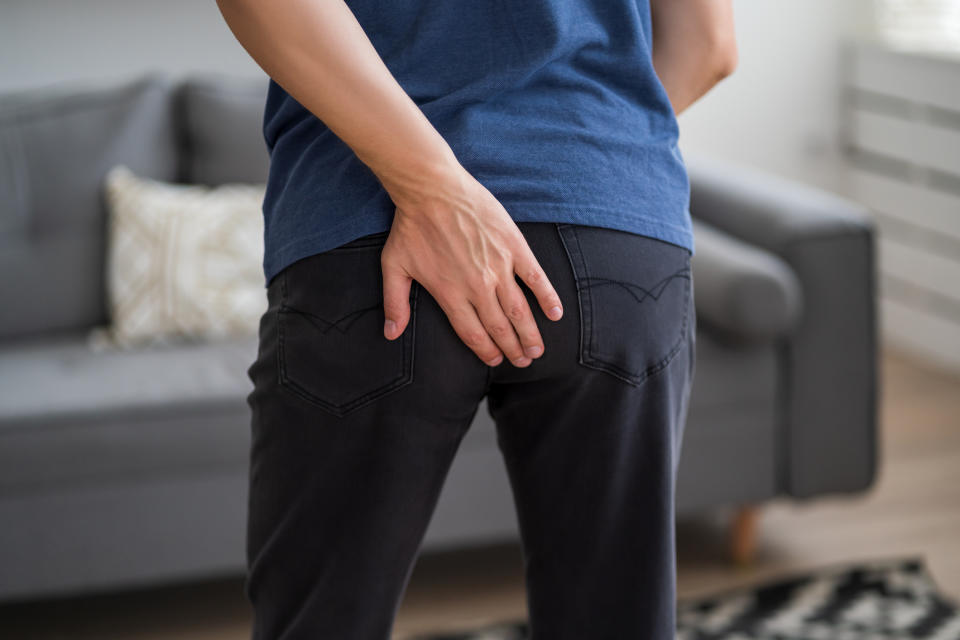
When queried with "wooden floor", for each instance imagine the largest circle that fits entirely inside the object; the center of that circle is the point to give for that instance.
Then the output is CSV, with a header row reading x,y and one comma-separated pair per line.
x,y
913,510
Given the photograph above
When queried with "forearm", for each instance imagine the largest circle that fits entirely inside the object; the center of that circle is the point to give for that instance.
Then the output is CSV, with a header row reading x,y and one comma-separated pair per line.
x,y
318,52
693,47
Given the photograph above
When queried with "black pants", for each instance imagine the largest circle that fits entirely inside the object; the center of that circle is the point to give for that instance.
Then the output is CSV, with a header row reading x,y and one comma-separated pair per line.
x,y
353,436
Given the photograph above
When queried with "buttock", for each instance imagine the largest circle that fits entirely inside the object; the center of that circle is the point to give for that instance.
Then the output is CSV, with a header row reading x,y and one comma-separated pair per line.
x,y
634,299
331,350
628,312
627,300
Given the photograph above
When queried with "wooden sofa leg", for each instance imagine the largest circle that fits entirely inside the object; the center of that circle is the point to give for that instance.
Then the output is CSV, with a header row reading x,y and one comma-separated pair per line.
x,y
743,534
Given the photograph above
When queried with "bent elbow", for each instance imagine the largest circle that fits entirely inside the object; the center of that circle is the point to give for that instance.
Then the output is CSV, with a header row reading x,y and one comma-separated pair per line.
x,y
725,57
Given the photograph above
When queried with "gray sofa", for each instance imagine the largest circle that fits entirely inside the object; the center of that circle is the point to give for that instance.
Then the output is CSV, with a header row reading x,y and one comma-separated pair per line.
x,y
121,469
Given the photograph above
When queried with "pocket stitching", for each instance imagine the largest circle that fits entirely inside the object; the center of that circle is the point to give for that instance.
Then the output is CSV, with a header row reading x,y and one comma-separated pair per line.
x,y
656,367
586,353
407,369
562,230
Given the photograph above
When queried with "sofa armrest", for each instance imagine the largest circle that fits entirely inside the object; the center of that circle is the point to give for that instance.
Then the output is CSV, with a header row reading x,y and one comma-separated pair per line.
x,y
829,363
743,291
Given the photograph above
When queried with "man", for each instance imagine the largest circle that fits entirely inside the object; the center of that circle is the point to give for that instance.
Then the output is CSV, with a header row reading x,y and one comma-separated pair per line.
x,y
436,152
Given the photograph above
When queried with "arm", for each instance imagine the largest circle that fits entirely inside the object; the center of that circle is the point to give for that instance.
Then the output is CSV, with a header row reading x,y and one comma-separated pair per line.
x,y
317,51
449,232
694,46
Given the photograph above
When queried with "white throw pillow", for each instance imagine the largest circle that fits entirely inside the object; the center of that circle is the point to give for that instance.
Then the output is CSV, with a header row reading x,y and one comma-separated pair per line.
x,y
183,261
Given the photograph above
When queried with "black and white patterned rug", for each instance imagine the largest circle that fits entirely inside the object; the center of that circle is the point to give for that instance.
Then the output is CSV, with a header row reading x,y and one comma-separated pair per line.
x,y
886,599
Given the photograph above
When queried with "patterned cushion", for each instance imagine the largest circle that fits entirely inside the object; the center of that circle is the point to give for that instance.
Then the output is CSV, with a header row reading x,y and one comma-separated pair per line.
x,y
183,261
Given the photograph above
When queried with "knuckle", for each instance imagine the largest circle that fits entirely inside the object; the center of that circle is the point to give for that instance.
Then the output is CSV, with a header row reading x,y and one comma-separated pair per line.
x,y
474,338
500,330
453,306
534,275
484,281
516,311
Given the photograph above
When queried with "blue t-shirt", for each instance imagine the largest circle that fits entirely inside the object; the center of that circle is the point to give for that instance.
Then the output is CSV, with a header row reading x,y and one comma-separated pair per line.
x,y
552,105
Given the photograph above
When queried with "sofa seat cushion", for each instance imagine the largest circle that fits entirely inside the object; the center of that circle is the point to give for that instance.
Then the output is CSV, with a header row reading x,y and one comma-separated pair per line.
x,y
70,414
729,446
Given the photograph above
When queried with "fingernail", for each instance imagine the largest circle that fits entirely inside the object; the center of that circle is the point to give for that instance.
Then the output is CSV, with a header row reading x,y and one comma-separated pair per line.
x,y
556,312
496,360
390,327
521,362
533,351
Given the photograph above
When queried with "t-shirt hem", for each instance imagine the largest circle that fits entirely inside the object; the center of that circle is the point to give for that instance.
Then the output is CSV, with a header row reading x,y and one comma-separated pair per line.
x,y
608,218
321,241
327,239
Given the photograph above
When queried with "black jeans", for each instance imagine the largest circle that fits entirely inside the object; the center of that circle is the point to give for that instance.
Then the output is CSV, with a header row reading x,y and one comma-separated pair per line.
x,y
353,436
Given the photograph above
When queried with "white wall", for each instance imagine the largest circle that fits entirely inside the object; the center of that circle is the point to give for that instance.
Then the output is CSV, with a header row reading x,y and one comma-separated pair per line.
x,y
47,41
780,108
778,111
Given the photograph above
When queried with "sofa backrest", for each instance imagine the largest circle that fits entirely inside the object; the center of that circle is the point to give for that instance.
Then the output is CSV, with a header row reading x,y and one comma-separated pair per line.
x,y
219,122
56,144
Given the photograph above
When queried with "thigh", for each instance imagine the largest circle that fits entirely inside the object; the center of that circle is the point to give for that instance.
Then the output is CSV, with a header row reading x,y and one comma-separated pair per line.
x,y
349,447
591,434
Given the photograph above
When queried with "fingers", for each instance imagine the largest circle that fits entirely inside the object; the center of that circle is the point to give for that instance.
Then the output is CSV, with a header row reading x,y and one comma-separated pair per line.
x,y
490,313
500,329
396,299
463,318
513,303
530,271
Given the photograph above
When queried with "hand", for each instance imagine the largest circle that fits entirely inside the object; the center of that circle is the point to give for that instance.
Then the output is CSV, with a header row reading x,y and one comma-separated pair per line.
x,y
464,248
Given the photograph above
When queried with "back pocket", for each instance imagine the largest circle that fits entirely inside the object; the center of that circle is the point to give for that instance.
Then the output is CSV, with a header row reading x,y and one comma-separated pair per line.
x,y
634,295
332,351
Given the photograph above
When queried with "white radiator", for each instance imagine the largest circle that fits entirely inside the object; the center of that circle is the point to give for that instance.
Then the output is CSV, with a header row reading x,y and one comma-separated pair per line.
x,y
901,134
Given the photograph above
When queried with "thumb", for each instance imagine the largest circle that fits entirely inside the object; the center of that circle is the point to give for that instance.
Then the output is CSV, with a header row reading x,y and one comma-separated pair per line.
x,y
396,301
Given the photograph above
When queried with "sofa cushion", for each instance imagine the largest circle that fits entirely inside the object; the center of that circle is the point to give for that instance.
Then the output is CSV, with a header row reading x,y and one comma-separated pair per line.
x,y
182,260
220,129
70,413
729,445
741,290
56,144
